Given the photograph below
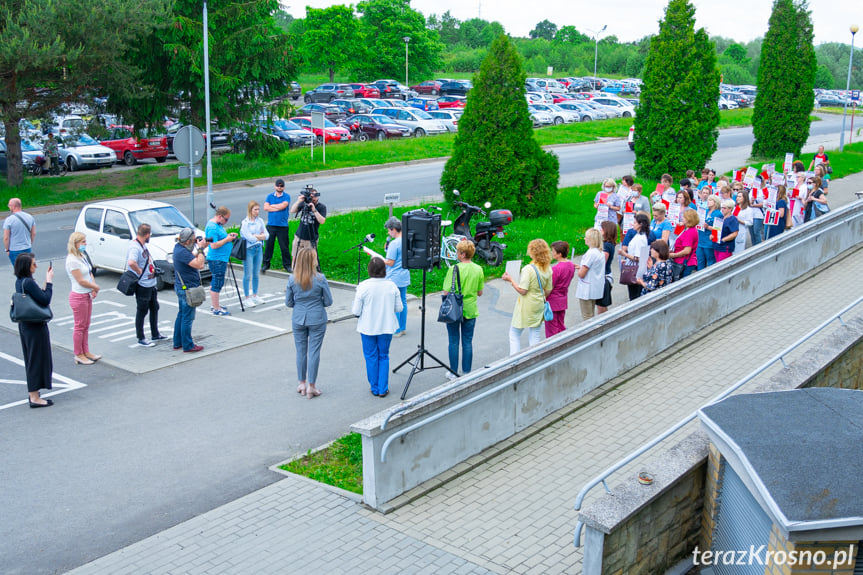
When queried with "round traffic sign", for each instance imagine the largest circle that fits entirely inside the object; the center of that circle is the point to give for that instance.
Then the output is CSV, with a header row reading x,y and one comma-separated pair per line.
x,y
189,145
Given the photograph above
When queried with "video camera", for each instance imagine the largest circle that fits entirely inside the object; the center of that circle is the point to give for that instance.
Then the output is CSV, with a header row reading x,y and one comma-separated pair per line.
x,y
309,192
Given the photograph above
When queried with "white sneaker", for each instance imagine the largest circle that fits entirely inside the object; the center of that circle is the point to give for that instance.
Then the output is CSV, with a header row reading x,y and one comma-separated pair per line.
x,y
145,343
450,376
249,302
257,300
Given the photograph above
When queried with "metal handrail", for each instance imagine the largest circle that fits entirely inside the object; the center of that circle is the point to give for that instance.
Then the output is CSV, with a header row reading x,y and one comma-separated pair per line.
x,y
629,458
607,317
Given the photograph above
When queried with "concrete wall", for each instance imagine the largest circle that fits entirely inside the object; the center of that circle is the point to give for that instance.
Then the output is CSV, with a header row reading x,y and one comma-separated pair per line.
x,y
624,532
522,390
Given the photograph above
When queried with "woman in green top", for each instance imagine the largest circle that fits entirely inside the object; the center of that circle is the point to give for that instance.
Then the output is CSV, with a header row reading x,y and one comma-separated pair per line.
x,y
531,295
472,280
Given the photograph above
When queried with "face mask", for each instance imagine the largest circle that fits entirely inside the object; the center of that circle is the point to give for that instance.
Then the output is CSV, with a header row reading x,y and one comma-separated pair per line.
x,y
810,186
82,248
609,190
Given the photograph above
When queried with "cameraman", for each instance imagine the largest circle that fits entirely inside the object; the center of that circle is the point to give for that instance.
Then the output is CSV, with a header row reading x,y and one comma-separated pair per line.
x,y
218,255
312,214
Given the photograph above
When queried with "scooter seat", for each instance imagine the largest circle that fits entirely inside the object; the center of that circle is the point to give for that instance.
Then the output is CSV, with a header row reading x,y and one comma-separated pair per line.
x,y
445,223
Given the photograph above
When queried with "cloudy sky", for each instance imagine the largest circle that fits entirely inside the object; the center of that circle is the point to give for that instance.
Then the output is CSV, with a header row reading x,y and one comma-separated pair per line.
x,y
630,20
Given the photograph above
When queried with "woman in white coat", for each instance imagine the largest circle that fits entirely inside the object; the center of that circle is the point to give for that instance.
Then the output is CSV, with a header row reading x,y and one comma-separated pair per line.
x,y
376,304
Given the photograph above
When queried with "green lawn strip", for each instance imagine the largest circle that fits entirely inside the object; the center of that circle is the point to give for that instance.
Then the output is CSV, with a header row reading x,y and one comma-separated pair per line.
x,y
340,464
110,183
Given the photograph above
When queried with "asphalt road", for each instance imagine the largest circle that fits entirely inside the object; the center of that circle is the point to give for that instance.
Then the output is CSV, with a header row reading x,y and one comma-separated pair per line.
x,y
579,164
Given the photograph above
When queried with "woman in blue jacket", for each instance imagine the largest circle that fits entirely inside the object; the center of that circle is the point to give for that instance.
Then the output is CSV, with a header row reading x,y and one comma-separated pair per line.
x,y
308,293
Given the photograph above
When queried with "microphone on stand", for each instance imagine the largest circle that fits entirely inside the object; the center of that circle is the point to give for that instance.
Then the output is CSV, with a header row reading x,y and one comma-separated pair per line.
x,y
368,239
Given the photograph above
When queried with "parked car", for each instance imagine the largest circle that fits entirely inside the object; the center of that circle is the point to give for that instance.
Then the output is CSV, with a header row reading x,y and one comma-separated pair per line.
x,y
539,117
109,226
742,100
828,99
550,86
328,93
451,102
449,118
585,113
425,104
377,127
365,90
29,153
608,110
541,97
331,132
430,87
351,106
627,110
222,139
390,89
558,115
726,104
329,111
27,130
82,151
286,131
296,91
456,88
65,125
558,98
418,121
150,143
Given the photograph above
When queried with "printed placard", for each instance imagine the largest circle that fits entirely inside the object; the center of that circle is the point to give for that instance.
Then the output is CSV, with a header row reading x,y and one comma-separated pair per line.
x,y
749,177
788,164
791,181
769,169
771,218
628,221
602,212
777,179
794,193
702,218
603,198
674,213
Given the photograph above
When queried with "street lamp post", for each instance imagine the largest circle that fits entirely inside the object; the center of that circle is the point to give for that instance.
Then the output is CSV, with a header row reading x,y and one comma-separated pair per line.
x,y
853,29
596,53
209,128
406,39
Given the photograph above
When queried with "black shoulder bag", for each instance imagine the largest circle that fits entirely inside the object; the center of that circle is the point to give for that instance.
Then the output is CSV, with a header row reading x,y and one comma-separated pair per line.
x,y
452,306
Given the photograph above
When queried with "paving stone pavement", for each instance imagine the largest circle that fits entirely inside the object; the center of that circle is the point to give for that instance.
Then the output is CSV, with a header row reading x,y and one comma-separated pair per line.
x,y
513,513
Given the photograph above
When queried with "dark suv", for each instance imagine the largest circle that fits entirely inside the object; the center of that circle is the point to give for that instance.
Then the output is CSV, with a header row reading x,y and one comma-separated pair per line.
x,y
391,89
328,93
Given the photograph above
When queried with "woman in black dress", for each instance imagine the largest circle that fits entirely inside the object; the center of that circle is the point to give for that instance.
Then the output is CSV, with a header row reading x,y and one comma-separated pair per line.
x,y
35,339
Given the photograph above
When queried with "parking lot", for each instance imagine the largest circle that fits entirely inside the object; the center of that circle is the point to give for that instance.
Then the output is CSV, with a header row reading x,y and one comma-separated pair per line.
x,y
13,383
112,329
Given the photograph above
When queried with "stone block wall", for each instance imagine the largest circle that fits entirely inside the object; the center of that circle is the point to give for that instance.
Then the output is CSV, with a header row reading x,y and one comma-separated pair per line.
x,y
662,533
845,373
822,558
713,483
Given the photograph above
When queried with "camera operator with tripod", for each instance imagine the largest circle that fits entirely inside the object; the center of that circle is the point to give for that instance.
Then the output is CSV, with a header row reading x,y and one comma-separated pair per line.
x,y
312,214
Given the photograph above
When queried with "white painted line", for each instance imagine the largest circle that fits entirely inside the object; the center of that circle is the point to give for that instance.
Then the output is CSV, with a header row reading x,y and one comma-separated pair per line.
x,y
108,302
250,322
270,308
70,384
115,325
117,333
13,381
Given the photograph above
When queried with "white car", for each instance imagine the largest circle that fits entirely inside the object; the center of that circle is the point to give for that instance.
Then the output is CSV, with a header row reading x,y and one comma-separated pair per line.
x,y
111,225
541,97
419,122
559,115
539,117
550,86
726,104
68,125
626,109
82,151
449,118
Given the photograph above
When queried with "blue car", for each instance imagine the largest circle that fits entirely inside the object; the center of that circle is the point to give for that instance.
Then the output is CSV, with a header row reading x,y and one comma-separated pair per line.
x,y
425,104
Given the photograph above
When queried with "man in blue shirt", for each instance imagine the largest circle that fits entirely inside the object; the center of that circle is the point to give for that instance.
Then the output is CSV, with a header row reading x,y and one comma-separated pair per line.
x,y
395,272
276,206
221,243
188,262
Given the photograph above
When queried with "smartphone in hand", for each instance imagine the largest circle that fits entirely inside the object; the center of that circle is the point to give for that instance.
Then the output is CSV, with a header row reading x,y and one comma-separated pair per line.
x,y
50,264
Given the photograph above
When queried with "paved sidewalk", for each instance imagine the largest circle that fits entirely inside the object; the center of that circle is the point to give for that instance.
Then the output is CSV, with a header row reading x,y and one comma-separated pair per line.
x,y
512,514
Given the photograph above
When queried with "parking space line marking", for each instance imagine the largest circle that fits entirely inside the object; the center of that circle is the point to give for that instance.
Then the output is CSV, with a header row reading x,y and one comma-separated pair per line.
x,y
58,381
13,381
117,333
272,307
114,326
235,318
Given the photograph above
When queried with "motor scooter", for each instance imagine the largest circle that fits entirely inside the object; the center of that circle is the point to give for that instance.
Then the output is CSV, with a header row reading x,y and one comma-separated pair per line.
x,y
489,250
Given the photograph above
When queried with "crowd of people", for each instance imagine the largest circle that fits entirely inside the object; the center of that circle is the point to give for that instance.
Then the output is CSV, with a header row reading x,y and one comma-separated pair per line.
x,y
662,238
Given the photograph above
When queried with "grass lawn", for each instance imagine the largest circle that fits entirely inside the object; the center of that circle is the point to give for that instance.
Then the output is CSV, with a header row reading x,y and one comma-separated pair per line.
x,y
340,464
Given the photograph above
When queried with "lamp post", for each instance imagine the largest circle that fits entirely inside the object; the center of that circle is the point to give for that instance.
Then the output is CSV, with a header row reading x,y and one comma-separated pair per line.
x,y
853,29
596,53
209,128
406,39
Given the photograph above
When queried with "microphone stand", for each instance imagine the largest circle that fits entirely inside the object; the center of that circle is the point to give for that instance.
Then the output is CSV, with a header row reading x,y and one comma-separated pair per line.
x,y
358,247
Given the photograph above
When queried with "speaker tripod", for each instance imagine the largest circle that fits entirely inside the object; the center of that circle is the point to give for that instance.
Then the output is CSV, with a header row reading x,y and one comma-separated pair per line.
x,y
421,352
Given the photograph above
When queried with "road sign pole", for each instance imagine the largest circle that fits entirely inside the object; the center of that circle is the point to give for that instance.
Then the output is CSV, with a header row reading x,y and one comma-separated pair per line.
x,y
192,183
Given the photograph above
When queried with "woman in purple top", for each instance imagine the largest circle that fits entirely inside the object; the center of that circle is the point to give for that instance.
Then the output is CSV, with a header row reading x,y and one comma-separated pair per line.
x,y
561,276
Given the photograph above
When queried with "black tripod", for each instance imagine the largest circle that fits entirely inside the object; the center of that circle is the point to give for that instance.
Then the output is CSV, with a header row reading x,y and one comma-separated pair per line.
x,y
359,248
421,352
236,286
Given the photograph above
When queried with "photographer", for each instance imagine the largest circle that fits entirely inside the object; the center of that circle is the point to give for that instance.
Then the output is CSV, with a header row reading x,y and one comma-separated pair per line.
x,y
312,214
221,243
188,263
138,260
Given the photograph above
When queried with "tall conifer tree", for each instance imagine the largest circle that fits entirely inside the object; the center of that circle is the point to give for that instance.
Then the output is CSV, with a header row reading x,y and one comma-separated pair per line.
x,y
786,77
676,126
495,156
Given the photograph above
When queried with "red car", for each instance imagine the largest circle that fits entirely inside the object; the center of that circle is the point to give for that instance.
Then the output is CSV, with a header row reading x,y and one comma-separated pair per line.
x,y
130,149
365,91
332,132
430,87
558,98
451,102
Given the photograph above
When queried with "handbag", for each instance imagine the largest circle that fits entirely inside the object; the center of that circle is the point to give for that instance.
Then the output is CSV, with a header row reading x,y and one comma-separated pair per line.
x,y
129,281
238,252
547,314
194,295
25,309
628,272
605,300
452,306
676,271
